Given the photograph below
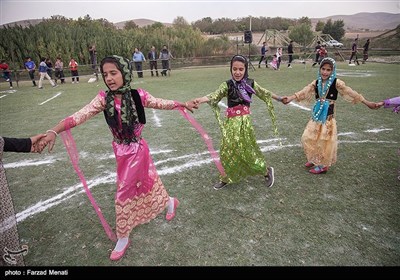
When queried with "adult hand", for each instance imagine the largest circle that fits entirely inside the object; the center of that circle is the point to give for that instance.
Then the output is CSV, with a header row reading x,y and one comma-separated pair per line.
x,y
50,140
36,140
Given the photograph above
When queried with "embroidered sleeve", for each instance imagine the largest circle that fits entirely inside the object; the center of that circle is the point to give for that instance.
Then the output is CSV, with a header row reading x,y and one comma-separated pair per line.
x,y
150,101
307,94
348,93
266,96
95,106
217,95
262,93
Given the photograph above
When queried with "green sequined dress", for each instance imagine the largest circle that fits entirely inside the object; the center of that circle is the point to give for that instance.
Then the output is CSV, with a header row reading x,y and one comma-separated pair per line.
x,y
239,152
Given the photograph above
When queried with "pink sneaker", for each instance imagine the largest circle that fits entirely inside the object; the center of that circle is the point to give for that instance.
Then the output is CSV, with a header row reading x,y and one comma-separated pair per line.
x,y
170,216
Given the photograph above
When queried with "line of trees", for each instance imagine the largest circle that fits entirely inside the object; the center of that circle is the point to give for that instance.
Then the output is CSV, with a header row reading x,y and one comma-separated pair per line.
x,y
60,36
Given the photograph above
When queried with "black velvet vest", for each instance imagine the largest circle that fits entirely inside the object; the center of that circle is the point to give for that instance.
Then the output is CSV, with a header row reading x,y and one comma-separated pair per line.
x,y
332,95
234,97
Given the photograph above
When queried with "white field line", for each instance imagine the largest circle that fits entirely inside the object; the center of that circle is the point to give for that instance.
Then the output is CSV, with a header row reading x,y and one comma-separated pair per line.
x,y
156,119
58,94
299,106
24,163
65,195
377,130
345,133
3,96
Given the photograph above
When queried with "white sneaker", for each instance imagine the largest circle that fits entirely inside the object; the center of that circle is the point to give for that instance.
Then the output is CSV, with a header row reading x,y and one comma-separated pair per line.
x,y
352,64
290,67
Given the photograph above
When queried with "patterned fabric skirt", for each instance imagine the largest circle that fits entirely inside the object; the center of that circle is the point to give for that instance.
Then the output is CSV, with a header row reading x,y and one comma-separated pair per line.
x,y
10,250
320,142
240,154
141,195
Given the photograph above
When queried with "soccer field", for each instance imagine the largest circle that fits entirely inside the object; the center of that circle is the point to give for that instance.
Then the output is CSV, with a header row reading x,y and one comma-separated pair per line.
x,y
349,216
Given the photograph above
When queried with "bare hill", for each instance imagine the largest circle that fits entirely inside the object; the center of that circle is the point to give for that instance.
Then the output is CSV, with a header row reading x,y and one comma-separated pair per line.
x,y
365,21
139,22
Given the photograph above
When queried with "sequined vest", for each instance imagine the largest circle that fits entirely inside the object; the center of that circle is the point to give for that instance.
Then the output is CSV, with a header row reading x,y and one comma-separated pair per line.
x,y
234,97
332,95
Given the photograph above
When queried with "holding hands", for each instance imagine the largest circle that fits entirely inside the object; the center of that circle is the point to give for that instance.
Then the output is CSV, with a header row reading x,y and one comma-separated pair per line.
x,y
36,140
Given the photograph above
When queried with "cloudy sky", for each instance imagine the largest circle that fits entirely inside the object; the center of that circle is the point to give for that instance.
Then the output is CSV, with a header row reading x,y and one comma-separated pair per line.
x,y
167,11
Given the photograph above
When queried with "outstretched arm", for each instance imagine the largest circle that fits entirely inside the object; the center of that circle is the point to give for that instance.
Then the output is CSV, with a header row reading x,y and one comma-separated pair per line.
x,y
372,105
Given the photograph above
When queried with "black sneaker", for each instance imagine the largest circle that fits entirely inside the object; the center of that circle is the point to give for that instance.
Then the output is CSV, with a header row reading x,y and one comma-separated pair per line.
x,y
269,179
220,185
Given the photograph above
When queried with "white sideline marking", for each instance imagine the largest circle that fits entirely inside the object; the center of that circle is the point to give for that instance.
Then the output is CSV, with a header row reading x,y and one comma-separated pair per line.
x,y
377,130
67,194
270,140
24,163
367,141
59,93
299,106
156,119
345,133
179,158
3,96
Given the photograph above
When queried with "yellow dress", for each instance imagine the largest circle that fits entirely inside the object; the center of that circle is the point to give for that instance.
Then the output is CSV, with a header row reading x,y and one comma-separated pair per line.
x,y
319,140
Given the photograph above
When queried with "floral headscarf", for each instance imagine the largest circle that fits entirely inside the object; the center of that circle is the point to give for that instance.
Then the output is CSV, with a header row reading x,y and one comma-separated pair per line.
x,y
129,116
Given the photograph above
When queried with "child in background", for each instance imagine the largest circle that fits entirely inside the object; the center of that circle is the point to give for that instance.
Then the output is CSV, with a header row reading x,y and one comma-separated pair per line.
x,y
73,67
6,72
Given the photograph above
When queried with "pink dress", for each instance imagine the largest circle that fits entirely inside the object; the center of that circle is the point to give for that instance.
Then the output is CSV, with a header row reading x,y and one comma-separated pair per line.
x,y
140,195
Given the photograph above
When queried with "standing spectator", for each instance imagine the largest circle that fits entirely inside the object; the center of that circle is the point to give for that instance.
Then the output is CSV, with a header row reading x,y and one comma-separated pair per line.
x,y
43,73
59,70
152,56
264,50
93,57
323,52
138,59
73,67
165,56
279,57
6,72
30,66
290,52
49,67
365,51
354,53
316,50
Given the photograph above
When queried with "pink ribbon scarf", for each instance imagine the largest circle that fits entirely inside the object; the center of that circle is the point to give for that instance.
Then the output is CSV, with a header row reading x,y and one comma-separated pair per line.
x,y
205,137
70,145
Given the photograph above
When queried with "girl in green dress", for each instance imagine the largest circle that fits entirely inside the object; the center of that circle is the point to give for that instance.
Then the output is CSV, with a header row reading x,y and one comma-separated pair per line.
x,y
239,153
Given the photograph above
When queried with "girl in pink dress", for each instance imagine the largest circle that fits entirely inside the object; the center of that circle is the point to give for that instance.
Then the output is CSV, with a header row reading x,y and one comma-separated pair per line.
x,y
140,195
